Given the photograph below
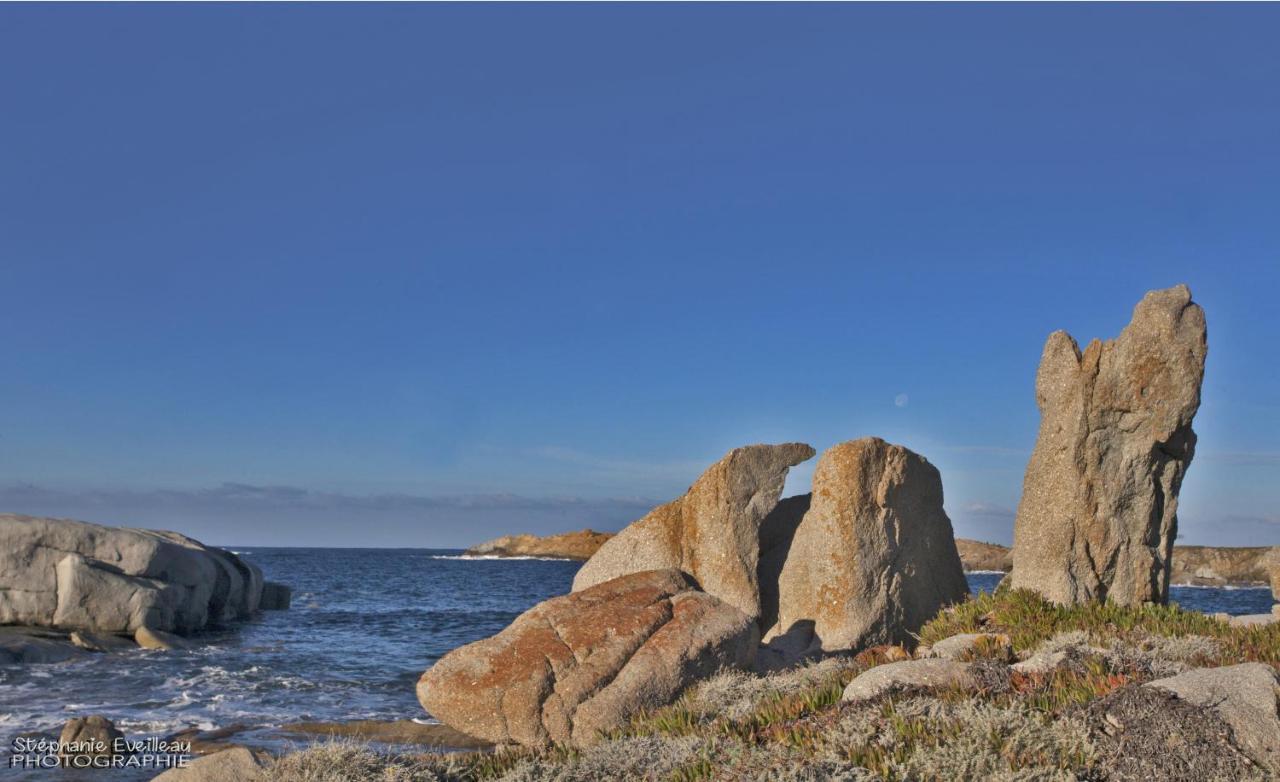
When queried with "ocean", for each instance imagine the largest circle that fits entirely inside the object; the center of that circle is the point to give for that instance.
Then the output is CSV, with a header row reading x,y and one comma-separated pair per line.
x,y
365,623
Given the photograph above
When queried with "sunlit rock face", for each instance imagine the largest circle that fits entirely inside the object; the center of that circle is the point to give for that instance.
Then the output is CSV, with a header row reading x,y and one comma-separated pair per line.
x,y
1098,514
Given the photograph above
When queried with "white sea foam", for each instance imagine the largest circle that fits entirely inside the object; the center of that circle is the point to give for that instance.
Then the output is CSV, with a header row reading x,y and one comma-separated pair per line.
x,y
482,557
984,572
1227,587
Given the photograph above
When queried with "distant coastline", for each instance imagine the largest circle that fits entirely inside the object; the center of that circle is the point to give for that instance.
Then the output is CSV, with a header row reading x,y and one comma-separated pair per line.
x,y
1217,566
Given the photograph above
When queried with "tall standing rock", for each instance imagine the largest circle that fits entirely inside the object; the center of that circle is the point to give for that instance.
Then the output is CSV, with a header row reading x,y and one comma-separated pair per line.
x,y
1098,514
711,533
874,557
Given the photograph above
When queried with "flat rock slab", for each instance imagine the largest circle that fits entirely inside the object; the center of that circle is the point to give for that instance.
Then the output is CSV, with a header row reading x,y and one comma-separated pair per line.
x,y
1245,697
909,675
1252,620
237,764
968,646
20,646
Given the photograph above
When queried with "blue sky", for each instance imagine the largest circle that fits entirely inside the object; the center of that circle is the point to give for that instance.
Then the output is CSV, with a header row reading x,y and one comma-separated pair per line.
x,y
421,275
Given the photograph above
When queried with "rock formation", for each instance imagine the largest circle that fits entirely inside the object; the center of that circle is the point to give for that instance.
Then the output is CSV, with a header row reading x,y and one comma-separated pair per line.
x,y
91,737
711,533
582,663
580,545
79,576
1098,514
872,559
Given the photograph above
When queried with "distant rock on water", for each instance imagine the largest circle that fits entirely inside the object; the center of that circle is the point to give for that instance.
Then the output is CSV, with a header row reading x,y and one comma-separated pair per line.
x,y
73,575
579,545
576,665
1098,514
978,556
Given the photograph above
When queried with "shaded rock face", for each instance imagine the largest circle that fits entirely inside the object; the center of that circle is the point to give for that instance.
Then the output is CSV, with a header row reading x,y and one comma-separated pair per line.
x,y
581,545
275,597
1098,514
872,559
80,576
575,665
711,533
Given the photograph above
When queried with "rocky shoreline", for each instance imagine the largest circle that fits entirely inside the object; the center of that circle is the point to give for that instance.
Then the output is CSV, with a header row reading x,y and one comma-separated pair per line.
x,y
732,634
69,588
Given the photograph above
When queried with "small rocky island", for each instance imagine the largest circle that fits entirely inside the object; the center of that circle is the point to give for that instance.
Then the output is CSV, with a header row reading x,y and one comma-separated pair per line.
x,y
580,546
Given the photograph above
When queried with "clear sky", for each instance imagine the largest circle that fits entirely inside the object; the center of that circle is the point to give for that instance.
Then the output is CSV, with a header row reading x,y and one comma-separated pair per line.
x,y
422,275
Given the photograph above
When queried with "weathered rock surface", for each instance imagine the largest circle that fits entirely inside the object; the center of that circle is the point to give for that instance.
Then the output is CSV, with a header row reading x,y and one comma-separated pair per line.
x,y
1245,697
1098,514
96,642
89,737
275,597
873,558
80,576
236,764
909,675
711,533
575,665
969,646
24,645
581,545
147,638
976,555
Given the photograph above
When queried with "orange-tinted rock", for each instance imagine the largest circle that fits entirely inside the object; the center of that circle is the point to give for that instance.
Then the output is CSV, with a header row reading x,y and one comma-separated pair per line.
x,y
582,663
579,545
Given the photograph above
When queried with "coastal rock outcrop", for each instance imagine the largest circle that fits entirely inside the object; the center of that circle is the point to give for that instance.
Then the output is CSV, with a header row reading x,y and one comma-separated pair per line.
x,y
711,533
576,665
1098,514
79,576
872,559
908,675
581,545
977,556
91,737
